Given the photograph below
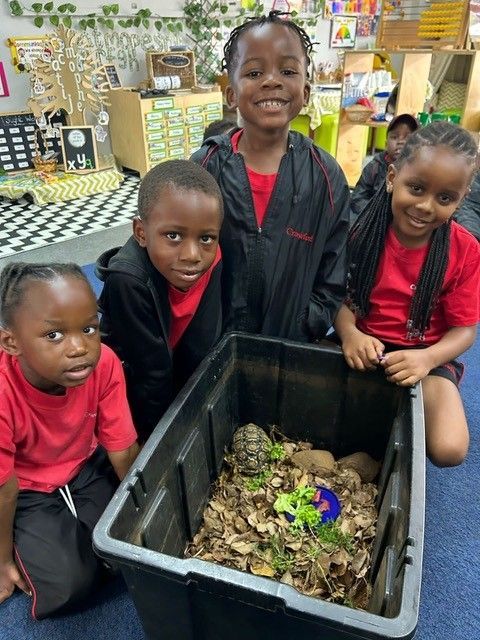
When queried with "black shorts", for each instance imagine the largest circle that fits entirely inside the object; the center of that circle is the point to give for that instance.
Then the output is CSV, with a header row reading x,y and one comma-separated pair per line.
x,y
53,548
452,370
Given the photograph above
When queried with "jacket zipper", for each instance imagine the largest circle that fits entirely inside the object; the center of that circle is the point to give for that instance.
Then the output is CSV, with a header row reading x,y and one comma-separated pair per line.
x,y
255,281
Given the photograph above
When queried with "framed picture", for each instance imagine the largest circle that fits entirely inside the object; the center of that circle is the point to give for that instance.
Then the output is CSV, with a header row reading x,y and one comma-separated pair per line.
x,y
343,32
112,76
79,149
4,92
24,50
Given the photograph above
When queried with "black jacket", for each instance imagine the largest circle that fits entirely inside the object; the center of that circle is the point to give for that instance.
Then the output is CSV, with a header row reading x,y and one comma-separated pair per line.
x,y
286,279
373,177
468,215
135,323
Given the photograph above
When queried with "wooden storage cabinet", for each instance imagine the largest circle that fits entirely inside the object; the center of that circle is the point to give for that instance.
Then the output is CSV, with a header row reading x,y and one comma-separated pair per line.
x,y
413,78
146,131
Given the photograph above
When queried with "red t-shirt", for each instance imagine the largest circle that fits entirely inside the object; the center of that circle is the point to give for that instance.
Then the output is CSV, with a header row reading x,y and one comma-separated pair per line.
x,y
397,275
45,439
261,184
184,304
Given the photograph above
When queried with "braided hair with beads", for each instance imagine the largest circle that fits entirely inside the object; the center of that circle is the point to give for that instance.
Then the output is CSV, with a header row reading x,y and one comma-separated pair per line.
x,y
16,277
368,234
230,50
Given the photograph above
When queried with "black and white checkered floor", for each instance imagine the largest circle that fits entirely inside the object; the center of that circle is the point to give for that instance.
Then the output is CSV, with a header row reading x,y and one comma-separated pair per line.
x,y
25,225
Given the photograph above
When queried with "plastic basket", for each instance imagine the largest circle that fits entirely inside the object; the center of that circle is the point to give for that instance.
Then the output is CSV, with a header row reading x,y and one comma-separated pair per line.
x,y
358,113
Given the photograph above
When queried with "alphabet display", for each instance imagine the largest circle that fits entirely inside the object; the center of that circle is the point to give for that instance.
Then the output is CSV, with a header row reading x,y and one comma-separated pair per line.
x,y
79,149
17,139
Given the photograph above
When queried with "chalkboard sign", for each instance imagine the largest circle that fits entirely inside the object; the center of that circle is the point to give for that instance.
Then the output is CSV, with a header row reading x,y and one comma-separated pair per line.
x,y
112,76
79,149
17,139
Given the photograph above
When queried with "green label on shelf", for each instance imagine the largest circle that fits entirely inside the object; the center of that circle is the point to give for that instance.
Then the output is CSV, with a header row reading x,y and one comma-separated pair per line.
x,y
213,106
163,103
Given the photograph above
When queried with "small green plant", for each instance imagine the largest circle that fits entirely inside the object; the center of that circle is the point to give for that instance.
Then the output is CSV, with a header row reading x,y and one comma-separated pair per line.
x,y
282,560
257,482
290,502
277,452
331,536
298,503
306,516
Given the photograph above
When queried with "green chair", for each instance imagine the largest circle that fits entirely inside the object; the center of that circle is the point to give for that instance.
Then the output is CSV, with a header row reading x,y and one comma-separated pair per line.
x,y
325,136
301,124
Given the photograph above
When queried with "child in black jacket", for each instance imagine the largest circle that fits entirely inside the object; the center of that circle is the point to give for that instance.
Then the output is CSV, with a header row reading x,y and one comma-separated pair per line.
x,y
161,309
374,173
468,214
286,201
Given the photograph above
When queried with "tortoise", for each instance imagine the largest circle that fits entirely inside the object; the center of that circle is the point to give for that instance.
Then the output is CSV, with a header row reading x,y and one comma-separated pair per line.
x,y
251,447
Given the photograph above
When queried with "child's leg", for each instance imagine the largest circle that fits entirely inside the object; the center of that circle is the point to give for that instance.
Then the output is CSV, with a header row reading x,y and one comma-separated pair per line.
x,y
93,488
54,548
446,428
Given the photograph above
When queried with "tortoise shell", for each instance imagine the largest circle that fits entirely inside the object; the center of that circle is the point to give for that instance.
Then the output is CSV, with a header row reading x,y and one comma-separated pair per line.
x,y
251,447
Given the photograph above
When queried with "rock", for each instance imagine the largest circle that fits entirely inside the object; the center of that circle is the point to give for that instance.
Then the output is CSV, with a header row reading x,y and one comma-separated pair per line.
x,y
315,460
362,463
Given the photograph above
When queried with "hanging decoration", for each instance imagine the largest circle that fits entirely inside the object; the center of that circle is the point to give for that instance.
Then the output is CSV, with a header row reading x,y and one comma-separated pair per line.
x,y
71,79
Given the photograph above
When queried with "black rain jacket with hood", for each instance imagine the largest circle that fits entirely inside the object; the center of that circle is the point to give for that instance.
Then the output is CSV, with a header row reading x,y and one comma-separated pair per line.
x,y
286,279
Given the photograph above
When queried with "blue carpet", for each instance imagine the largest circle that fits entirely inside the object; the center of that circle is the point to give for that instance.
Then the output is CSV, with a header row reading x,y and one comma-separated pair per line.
x,y
451,579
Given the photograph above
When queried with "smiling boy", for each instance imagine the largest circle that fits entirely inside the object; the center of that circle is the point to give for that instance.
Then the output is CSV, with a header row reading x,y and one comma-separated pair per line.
x,y
161,309
286,201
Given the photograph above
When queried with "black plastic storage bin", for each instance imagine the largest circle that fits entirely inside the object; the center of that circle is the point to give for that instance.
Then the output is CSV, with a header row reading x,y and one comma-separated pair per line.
x,y
310,393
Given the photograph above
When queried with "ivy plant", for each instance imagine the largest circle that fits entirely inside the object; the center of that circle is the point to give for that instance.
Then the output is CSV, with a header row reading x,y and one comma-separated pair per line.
x,y
106,17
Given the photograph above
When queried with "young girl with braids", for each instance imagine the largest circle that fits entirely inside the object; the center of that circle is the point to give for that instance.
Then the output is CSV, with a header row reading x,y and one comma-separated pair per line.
x,y
286,202
66,434
413,293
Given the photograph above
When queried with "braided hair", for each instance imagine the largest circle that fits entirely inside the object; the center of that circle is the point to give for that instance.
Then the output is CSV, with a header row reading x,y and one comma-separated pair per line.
x,y
16,276
230,50
367,236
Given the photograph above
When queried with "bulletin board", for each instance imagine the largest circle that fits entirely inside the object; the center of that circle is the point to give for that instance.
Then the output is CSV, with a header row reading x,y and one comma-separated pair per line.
x,y
17,139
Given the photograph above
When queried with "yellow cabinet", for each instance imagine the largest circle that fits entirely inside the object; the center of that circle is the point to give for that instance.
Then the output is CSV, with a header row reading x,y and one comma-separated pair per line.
x,y
146,131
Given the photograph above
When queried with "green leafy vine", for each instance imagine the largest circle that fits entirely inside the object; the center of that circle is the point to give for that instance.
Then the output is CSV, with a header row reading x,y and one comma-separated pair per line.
x,y
108,17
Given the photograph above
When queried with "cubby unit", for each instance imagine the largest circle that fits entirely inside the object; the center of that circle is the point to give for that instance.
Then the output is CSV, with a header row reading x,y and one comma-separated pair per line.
x,y
415,69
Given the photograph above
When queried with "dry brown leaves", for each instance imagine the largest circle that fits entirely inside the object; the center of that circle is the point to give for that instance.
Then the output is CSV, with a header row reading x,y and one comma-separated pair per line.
x,y
241,530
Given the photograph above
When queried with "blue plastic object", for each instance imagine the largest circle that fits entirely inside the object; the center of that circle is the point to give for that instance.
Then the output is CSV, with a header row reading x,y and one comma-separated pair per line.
x,y
326,501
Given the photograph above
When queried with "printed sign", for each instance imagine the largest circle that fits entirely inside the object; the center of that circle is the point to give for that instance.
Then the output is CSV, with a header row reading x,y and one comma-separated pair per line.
x,y
17,138
79,149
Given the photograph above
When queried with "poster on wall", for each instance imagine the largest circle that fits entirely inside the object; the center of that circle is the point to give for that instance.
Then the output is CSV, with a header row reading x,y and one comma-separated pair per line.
x,y
24,50
351,7
17,138
343,32
4,92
